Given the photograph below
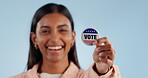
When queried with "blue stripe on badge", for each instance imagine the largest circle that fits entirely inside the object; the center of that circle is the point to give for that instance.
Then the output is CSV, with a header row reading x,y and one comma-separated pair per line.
x,y
90,30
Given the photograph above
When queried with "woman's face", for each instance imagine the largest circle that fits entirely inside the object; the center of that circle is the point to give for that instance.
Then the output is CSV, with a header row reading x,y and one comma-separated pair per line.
x,y
54,37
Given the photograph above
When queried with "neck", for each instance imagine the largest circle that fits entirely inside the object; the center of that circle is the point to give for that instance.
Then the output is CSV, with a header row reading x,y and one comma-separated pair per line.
x,y
57,67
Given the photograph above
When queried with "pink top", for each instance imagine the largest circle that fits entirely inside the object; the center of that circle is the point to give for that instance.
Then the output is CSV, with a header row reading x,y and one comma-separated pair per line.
x,y
73,72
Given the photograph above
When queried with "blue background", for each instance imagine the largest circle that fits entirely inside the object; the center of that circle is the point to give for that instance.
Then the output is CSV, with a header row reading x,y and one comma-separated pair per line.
x,y
124,22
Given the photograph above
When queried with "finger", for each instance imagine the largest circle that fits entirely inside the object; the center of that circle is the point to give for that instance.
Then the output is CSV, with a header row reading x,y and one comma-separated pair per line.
x,y
103,40
103,56
105,47
106,62
99,50
95,55
110,62
106,55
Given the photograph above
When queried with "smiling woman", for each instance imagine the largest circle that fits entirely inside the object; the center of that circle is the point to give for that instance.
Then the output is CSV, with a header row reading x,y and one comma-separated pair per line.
x,y
54,38
53,53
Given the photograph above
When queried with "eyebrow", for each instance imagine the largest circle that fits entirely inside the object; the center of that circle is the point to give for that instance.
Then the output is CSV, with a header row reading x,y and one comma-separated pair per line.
x,y
63,25
45,27
59,26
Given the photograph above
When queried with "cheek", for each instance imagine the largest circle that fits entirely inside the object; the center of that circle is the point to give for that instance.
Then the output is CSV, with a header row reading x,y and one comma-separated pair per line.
x,y
68,42
67,38
42,46
42,42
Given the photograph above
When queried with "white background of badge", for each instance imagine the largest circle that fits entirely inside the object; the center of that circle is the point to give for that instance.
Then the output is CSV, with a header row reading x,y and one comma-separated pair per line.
x,y
123,22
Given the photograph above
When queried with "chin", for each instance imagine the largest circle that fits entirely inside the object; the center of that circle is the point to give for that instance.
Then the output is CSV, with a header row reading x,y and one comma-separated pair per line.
x,y
55,59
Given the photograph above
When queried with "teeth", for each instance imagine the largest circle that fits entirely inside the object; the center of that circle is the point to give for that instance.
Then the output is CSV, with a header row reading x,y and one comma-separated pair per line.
x,y
55,48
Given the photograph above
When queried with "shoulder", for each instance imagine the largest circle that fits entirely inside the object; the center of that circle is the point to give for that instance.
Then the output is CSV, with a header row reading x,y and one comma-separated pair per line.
x,y
21,75
31,73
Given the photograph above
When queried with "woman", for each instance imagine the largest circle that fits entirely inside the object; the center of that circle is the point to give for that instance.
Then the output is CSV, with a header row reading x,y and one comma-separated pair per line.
x,y
52,51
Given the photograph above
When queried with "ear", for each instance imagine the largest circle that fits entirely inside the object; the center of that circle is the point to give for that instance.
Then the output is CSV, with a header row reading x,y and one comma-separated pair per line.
x,y
33,37
73,37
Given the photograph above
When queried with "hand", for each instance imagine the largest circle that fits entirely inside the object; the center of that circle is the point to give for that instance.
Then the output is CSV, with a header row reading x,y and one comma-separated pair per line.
x,y
103,55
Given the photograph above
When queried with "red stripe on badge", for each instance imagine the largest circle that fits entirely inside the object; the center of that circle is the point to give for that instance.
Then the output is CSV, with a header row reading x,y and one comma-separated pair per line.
x,y
89,42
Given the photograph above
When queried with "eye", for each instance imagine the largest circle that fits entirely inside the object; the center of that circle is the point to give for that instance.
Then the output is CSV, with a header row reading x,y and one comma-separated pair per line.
x,y
45,31
63,30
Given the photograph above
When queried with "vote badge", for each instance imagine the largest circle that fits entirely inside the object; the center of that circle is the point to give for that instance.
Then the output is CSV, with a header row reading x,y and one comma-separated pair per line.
x,y
89,36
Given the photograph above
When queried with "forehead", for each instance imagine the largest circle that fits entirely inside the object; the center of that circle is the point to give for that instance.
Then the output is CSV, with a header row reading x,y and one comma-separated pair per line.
x,y
53,19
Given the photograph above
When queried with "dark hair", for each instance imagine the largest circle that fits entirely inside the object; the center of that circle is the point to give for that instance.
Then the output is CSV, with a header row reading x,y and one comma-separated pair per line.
x,y
35,55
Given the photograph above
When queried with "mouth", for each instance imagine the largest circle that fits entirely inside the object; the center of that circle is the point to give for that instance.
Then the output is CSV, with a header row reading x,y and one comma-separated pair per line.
x,y
55,49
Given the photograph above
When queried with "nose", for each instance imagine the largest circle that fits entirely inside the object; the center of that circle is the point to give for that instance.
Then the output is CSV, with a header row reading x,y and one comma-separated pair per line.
x,y
54,37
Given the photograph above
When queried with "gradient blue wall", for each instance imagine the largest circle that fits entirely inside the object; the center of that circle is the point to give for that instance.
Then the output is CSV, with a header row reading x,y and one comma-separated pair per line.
x,y
124,22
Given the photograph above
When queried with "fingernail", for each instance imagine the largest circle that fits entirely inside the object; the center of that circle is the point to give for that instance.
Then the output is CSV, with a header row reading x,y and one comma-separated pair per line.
x,y
95,42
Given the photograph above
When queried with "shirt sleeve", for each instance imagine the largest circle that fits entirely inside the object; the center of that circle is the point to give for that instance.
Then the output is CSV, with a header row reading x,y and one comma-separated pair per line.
x,y
18,76
112,73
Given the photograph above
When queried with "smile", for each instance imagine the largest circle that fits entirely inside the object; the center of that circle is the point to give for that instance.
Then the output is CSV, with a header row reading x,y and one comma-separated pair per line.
x,y
55,48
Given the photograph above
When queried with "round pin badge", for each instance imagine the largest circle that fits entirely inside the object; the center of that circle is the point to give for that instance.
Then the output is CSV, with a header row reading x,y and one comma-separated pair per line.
x,y
89,36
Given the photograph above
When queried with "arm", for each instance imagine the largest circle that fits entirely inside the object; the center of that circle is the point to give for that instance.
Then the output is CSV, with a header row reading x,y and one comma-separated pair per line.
x,y
103,56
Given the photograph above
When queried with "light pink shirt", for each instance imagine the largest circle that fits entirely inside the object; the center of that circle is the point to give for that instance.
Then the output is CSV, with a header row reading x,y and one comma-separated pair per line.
x,y
73,72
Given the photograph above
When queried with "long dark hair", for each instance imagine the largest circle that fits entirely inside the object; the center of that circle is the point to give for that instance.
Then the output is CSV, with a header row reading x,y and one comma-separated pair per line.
x,y
35,55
